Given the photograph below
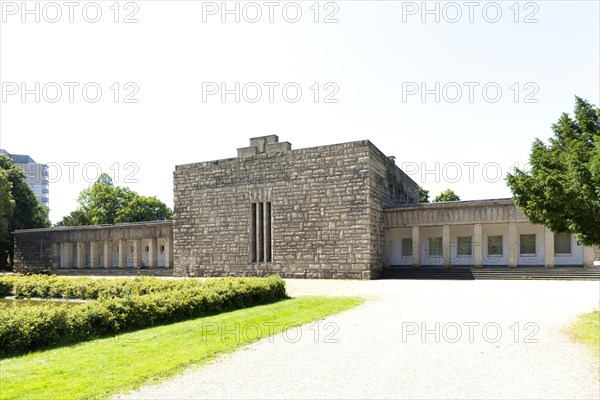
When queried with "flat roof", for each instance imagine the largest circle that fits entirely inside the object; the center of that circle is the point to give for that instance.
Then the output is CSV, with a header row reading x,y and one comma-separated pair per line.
x,y
453,204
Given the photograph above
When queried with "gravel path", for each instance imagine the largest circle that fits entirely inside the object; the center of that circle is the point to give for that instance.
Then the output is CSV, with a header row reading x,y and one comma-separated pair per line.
x,y
372,359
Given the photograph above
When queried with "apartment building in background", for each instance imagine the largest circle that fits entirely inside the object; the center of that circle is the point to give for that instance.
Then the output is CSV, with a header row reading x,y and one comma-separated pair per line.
x,y
37,176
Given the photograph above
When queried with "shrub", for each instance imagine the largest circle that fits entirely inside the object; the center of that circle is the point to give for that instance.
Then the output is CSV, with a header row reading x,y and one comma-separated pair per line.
x,y
144,302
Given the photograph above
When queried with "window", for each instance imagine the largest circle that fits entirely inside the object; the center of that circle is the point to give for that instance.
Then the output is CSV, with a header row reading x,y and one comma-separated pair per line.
x,y
435,246
495,246
406,247
562,243
260,232
527,244
464,244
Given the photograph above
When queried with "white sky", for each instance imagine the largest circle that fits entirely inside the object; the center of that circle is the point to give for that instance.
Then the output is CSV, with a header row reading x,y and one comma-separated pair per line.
x,y
374,51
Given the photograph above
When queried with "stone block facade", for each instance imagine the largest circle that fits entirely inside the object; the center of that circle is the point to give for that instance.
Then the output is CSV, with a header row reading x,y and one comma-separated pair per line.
x,y
315,212
337,211
147,244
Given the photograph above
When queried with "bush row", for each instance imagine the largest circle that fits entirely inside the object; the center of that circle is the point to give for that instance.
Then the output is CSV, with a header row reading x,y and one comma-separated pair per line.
x,y
57,287
24,329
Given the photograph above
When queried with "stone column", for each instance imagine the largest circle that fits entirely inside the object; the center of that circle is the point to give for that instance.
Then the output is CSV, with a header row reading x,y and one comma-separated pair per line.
x,y
62,254
387,245
107,254
446,245
80,254
56,255
416,243
169,253
67,259
152,255
137,253
548,248
513,245
588,256
93,255
122,253
266,231
478,245
260,255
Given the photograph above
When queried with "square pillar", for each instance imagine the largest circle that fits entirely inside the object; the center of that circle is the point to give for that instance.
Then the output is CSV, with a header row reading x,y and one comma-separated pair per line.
x,y
137,253
122,256
169,253
80,255
446,245
589,254
513,245
478,245
67,259
387,248
548,248
107,254
152,254
56,255
94,255
416,246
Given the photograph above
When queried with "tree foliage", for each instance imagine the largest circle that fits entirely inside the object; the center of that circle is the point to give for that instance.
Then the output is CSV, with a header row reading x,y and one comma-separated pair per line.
x,y
7,205
423,195
19,208
562,188
105,203
446,195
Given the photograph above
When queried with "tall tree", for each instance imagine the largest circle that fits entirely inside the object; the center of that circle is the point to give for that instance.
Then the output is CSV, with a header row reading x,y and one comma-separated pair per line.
x,y
105,203
143,208
562,188
446,195
27,212
423,195
7,205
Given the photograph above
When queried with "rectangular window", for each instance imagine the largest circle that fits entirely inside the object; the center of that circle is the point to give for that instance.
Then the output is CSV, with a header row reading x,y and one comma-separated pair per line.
x,y
562,243
406,247
260,232
435,246
527,244
464,244
495,247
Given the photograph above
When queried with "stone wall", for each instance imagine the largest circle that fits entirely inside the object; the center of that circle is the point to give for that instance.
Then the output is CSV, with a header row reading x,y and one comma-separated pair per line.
x,y
327,210
453,213
389,186
33,250
39,249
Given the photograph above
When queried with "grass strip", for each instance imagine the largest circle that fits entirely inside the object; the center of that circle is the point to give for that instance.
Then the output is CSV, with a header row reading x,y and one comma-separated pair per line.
x,y
103,367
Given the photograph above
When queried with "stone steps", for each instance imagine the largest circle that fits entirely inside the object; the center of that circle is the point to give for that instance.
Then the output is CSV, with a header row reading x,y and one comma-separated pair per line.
x,y
528,273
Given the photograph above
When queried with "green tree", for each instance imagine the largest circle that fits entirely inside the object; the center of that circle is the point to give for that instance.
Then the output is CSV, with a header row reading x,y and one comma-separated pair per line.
x,y
75,218
562,188
143,208
423,195
446,195
105,203
7,205
27,213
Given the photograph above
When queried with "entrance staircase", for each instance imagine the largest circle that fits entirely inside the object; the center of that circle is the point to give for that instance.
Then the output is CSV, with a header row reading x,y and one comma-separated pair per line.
x,y
499,273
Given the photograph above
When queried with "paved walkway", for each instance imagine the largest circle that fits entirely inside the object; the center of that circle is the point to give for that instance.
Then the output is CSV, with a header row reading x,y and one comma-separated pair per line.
x,y
380,352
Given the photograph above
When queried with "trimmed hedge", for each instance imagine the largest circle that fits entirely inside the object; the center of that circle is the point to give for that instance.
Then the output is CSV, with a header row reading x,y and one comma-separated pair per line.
x,y
149,303
55,287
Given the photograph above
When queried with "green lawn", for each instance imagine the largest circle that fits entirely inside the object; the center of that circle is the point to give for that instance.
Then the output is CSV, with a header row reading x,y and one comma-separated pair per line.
x,y
102,367
587,330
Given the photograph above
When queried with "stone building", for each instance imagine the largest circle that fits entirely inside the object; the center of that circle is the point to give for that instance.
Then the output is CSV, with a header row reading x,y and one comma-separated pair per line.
x,y
337,211
140,244
315,212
